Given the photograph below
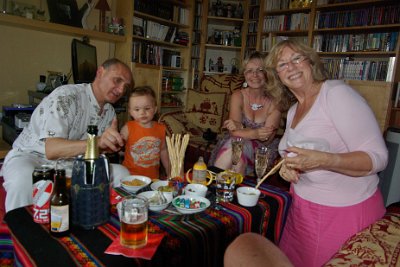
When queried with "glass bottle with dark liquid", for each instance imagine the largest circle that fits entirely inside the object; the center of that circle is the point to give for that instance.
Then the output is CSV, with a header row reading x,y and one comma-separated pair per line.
x,y
59,206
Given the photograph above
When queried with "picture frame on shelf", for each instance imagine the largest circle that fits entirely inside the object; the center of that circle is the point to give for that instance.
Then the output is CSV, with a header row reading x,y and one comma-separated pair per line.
x,y
64,12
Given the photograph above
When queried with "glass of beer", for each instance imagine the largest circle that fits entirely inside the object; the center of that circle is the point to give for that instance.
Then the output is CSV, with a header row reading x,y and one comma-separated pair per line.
x,y
134,216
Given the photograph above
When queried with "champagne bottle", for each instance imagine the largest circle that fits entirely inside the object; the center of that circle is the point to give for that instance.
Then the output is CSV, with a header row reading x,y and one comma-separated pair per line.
x,y
59,206
91,154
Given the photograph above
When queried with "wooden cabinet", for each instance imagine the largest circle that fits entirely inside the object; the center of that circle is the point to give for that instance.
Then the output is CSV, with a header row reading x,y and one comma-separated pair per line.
x,y
158,47
223,35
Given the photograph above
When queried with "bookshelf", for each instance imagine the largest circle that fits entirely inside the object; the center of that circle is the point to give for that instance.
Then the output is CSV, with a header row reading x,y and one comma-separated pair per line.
x,y
253,33
223,35
356,40
196,41
158,47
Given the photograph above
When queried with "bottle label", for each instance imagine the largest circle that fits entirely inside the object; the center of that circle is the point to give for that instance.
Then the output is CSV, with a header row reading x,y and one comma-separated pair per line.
x,y
41,201
59,219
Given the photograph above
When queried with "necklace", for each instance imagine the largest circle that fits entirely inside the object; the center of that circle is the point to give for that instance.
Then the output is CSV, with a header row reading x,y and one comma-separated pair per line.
x,y
255,106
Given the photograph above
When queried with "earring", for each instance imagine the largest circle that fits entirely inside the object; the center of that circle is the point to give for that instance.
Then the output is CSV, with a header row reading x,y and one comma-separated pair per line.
x,y
245,84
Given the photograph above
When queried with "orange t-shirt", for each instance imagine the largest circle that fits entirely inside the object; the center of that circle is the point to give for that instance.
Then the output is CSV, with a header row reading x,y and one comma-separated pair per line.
x,y
142,149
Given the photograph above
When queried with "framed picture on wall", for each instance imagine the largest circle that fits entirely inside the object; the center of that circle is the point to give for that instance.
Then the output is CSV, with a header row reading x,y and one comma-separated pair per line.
x,y
64,12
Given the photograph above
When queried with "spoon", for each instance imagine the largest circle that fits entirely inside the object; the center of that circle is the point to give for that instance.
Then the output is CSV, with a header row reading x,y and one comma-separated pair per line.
x,y
272,171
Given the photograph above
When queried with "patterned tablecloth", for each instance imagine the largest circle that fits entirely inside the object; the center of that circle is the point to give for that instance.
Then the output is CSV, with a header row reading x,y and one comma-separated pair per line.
x,y
190,240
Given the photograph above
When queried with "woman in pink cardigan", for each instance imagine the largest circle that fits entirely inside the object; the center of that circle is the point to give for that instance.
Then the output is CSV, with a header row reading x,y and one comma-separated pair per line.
x,y
333,149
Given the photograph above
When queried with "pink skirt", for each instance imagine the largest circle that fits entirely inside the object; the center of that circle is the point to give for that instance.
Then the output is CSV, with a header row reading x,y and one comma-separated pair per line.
x,y
314,233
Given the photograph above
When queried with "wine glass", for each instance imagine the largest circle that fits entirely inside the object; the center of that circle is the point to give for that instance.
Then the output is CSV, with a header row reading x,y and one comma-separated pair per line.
x,y
237,148
261,161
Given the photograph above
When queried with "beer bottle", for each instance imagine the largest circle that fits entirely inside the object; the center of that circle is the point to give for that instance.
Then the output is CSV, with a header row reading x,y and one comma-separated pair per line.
x,y
59,206
92,153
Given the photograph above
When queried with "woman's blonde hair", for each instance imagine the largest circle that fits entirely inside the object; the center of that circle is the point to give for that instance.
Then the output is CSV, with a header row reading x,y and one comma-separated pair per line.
x,y
278,95
317,67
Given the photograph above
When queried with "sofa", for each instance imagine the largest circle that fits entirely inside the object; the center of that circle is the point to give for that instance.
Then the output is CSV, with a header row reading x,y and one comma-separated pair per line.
x,y
205,111
376,245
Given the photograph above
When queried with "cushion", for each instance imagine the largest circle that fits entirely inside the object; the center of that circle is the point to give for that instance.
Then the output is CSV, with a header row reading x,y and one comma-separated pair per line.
x,y
206,110
377,245
176,122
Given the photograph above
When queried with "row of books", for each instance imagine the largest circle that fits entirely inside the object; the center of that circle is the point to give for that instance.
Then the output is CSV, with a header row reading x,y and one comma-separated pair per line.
x,y
154,30
367,70
277,4
254,12
298,21
384,41
251,41
358,17
252,27
196,51
148,53
197,23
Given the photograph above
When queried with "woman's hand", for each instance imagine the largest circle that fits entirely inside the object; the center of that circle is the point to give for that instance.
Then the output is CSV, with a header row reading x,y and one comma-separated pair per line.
x,y
232,125
264,133
289,174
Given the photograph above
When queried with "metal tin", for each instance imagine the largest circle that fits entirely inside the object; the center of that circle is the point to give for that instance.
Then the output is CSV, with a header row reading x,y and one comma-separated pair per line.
x,y
42,188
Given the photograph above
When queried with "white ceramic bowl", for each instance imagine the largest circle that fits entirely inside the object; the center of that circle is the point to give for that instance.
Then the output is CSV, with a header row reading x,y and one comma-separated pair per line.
x,y
142,181
196,190
153,207
247,196
204,202
154,186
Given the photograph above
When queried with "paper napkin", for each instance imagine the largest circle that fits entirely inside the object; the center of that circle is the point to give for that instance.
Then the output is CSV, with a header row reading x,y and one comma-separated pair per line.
x,y
147,252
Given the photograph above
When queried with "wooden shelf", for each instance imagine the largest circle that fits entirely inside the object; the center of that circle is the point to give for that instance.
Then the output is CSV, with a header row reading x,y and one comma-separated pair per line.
x,y
44,26
223,47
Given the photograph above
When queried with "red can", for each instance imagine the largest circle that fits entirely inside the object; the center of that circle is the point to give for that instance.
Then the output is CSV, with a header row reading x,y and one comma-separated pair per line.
x,y
43,183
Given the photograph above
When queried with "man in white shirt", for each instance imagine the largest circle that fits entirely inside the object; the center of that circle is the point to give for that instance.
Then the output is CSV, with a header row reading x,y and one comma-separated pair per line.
x,y
58,126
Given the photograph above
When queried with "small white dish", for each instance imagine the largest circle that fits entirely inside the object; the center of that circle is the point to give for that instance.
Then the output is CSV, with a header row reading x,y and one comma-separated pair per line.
x,y
186,209
196,190
154,207
154,186
166,190
134,183
247,196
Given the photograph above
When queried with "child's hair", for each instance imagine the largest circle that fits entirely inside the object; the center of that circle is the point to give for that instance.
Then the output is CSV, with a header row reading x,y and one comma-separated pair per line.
x,y
142,91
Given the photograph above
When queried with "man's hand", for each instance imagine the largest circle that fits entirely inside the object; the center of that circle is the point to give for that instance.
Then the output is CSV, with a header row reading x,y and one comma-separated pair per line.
x,y
111,140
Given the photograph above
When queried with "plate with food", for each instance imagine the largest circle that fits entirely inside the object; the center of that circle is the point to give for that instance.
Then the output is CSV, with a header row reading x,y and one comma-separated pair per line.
x,y
134,183
190,204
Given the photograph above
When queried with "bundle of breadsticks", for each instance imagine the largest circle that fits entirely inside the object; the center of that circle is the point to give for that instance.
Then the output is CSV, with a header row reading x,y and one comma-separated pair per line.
x,y
177,145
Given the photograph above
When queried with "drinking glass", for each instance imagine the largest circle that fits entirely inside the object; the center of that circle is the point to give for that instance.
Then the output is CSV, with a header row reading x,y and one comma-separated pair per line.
x,y
237,148
261,161
66,164
134,216
225,187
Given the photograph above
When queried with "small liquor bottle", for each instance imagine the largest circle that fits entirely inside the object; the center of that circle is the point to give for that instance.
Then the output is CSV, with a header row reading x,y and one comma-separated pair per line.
x,y
59,206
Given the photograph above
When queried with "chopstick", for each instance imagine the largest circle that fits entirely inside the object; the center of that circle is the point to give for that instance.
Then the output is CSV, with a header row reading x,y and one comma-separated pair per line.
x,y
272,171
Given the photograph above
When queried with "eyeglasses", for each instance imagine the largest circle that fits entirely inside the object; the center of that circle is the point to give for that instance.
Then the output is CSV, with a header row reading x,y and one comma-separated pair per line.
x,y
295,61
254,71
